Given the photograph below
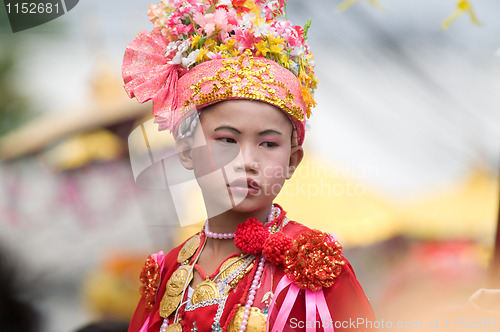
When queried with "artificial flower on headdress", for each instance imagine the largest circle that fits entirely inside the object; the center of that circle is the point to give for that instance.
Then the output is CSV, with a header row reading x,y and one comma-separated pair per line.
x,y
190,32
463,7
314,261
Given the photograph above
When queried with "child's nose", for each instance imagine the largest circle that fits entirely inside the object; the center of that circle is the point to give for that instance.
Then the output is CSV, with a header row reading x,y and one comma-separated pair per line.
x,y
247,160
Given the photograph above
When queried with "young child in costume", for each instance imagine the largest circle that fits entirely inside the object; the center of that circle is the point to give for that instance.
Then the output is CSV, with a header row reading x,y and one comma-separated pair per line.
x,y
232,80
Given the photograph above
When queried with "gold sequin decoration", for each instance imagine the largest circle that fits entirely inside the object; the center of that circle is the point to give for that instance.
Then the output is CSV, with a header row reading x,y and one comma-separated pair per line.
x,y
237,279
229,266
252,81
189,248
205,291
256,320
179,279
175,327
168,304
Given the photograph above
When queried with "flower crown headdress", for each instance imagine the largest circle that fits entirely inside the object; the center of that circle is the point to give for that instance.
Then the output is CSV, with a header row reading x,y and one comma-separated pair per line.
x,y
202,52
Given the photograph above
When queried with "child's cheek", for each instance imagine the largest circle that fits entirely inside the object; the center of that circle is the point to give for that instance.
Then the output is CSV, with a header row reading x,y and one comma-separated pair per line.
x,y
213,156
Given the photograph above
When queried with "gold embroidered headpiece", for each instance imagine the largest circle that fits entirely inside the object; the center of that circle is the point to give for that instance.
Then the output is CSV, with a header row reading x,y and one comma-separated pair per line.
x,y
203,52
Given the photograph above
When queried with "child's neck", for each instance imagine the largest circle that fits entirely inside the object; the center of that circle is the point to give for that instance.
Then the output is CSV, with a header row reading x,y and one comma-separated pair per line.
x,y
227,222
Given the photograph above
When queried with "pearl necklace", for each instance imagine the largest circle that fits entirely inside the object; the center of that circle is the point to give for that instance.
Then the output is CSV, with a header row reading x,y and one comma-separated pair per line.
x,y
221,236
213,235
251,294
256,279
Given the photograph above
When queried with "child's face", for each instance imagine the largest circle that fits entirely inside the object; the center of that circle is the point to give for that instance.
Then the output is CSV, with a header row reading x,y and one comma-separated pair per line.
x,y
251,142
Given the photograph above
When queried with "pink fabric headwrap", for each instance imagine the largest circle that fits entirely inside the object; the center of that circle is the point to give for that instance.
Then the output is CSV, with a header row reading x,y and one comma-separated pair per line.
x,y
176,92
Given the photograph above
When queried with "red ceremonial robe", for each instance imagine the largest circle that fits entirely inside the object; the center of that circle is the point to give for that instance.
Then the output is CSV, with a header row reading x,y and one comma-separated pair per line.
x,y
346,302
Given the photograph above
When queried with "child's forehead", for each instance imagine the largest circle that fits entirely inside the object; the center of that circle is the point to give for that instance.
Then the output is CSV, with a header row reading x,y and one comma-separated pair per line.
x,y
245,113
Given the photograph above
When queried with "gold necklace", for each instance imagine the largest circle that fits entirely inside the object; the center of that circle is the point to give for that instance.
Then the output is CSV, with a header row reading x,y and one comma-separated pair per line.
x,y
180,279
209,289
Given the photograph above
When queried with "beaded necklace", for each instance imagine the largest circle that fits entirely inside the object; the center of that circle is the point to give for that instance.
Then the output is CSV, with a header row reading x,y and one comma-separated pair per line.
x,y
238,274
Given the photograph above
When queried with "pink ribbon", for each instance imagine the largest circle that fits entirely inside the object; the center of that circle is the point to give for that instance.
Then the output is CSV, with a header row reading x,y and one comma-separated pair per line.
x,y
315,300
148,75
145,326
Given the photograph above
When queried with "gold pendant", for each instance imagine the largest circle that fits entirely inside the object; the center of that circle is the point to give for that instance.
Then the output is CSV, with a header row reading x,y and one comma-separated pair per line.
x,y
175,327
189,248
168,304
229,266
207,290
179,280
256,320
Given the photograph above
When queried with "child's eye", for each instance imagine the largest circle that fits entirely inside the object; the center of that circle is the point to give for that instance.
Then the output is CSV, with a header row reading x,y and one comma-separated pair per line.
x,y
226,140
269,144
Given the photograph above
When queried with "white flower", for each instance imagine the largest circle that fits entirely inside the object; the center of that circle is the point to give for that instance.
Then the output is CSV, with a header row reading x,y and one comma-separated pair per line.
x,y
227,3
184,46
191,59
262,30
172,46
246,21
311,63
177,59
294,68
297,51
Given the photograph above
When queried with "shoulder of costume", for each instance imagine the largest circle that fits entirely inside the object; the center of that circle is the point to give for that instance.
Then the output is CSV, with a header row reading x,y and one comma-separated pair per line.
x,y
311,259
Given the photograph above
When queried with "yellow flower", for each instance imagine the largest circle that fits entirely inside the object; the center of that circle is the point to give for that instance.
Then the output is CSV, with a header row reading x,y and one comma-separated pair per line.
x,y
310,103
235,52
302,75
276,49
314,81
250,4
275,40
262,48
195,41
210,44
284,61
228,46
202,54
463,7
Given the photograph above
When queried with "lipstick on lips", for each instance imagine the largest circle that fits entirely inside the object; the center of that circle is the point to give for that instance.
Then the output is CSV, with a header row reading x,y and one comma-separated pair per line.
x,y
244,186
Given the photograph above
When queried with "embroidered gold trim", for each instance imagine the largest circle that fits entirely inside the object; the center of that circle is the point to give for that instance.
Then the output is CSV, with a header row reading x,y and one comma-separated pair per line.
x,y
237,80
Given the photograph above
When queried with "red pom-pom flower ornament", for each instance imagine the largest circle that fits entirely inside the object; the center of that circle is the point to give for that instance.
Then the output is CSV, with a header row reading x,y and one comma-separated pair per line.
x,y
276,247
314,261
250,236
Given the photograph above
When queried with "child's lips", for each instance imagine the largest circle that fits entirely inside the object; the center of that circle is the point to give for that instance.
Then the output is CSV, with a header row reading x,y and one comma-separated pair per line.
x,y
244,186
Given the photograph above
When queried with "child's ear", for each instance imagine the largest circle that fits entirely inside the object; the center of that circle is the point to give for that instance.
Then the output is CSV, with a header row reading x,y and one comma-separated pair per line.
x,y
296,155
183,146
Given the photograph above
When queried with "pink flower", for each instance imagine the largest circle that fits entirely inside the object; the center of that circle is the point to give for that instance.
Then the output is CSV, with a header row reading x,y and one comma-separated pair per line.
x,y
153,12
246,39
224,36
214,56
271,9
209,22
232,20
173,20
294,39
282,27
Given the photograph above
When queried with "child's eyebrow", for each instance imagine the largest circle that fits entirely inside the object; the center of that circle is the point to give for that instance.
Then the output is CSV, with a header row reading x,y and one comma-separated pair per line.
x,y
228,128
269,131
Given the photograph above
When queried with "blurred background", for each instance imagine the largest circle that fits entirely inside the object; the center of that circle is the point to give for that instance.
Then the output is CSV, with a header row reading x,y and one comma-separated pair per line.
x,y
402,157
